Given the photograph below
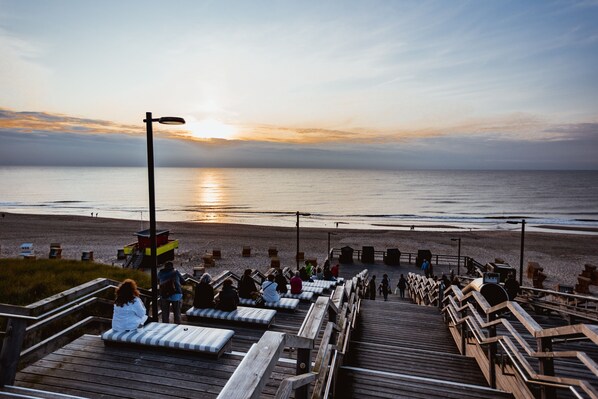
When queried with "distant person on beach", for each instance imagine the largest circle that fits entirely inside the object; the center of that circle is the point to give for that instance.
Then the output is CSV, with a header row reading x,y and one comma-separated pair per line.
x,y
512,287
401,285
129,311
228,298
247,287
385,285
296,284
171,292
281,282
269,290
372,288
204,293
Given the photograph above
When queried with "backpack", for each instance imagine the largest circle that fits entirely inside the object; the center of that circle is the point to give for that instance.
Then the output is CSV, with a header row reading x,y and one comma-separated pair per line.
x,y
168,288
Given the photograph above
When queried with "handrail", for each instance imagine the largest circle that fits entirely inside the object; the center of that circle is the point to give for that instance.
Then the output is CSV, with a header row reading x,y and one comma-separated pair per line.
x,y
468,310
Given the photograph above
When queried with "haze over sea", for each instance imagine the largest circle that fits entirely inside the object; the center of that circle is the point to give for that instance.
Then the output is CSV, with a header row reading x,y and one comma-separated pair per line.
x,y
370,199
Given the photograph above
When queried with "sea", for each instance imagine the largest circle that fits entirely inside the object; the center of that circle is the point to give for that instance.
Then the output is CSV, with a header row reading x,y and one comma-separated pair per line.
x,y
327,198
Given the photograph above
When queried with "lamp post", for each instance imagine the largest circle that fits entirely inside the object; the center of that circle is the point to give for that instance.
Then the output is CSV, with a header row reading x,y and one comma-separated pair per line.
x,y
167,120
329,234
458,255
299,214
522,223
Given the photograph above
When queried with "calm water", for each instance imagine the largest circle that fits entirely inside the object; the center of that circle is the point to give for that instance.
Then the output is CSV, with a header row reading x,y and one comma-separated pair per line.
x,y
355,198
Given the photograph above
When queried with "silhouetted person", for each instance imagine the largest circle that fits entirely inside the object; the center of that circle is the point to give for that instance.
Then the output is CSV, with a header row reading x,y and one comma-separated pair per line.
x,y
512,287
372,288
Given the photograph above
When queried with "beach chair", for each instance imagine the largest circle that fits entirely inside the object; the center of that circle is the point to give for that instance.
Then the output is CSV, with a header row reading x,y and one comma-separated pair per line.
x,y
283,304
309,288
212,341
245,315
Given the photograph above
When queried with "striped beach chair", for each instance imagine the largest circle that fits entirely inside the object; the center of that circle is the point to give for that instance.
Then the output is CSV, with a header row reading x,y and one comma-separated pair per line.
x,y
284,303
242,314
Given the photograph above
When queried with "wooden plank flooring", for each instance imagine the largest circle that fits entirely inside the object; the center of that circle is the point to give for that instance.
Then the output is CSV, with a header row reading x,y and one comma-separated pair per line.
x,y
402,350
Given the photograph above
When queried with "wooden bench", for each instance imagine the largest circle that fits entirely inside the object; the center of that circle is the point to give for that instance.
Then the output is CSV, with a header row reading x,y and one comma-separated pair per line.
x,y
284,303
304,296
213,341
263,317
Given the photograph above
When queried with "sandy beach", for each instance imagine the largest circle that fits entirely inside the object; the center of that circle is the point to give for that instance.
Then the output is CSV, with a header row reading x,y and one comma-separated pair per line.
x,y
561,255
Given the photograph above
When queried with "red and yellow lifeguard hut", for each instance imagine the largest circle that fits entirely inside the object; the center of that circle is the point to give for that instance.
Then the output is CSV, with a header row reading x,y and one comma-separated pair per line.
x,y
138,253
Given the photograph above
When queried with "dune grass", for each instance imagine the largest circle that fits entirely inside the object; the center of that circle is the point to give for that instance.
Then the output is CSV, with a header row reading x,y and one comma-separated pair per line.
x,y
24,281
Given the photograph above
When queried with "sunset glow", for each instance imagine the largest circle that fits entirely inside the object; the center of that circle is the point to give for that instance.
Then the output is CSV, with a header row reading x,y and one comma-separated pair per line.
x,y
211,129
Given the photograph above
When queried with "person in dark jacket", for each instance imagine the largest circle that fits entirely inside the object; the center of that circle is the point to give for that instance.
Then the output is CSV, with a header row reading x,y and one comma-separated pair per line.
x,y
281,282
372,288
401,285
385,285
229,299
168,275
512,287
204,293
247,287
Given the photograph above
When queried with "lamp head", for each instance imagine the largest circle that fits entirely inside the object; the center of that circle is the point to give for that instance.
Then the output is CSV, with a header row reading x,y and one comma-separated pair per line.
x,y
171,120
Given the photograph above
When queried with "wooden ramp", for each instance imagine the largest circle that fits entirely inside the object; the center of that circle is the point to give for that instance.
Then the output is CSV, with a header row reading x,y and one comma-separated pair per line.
x,y
402,350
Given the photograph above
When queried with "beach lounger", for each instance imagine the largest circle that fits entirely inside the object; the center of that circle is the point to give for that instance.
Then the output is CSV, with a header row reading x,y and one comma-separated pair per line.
x,y
284,303
309,288
213,341
326,284
263,317
304,296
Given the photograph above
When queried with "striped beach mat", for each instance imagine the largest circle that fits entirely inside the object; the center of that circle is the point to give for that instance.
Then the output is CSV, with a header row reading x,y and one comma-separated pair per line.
x,y
284,303
242,314
310,288
176,336
303,296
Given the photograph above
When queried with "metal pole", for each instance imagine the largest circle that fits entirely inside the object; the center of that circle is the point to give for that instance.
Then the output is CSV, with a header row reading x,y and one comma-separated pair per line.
x,y
521,255
459,258
297,255
152,215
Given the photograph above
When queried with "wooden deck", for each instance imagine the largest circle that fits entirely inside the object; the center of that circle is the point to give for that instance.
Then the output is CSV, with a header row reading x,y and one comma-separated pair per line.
x,y
88,368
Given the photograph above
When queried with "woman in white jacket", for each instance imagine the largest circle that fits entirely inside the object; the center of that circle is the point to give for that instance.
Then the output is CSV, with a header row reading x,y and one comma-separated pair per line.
x,y
129,311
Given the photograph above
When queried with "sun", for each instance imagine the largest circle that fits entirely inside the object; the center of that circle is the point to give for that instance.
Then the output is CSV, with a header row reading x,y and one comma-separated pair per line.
x,y
211,129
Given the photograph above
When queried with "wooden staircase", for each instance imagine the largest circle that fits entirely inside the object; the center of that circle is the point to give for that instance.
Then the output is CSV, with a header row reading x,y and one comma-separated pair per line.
x,y
403,350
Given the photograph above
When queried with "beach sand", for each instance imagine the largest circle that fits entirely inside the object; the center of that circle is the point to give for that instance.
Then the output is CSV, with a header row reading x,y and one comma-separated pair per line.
x,y
561,255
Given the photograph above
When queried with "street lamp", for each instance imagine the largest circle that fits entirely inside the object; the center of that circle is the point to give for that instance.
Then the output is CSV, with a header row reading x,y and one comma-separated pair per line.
x,y
522,223
330,234
299,214
166,120
458,255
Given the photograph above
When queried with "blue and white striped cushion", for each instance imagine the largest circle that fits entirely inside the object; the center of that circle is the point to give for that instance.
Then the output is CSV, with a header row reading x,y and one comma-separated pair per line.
x,y
326,284
284,303
243,314
309,288
304,296
177,336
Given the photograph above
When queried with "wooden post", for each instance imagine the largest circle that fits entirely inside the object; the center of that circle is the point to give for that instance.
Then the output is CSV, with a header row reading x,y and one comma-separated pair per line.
x,y
492,353
11,350
303,366
463,332
546,367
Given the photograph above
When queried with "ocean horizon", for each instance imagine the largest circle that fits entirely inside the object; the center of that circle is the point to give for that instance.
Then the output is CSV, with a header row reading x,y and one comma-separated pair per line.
x,y
365,199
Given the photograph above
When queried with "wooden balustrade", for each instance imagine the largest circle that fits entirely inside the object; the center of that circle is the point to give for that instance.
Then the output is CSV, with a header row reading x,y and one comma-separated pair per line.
x,y
474,325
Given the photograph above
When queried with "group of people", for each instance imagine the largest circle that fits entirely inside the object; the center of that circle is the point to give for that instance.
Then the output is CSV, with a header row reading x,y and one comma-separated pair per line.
x,y
384,288
308,273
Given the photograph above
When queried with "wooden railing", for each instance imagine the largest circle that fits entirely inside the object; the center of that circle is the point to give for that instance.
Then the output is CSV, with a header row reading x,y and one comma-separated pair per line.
x,y
254,371
35,330
474,323
409,257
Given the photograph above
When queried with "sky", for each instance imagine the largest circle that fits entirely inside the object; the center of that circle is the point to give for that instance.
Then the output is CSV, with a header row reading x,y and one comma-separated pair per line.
x,y
319,84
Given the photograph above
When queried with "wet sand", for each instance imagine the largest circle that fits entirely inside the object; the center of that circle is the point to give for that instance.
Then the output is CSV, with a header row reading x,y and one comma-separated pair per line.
x,y
562,255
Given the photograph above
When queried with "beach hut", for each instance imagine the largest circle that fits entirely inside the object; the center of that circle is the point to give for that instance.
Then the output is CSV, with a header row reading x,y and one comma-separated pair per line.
x,y
392,257
367,255
26,250
140,251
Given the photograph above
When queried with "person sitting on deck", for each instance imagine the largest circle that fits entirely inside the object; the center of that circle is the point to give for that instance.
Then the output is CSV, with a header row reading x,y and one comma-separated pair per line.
x,y
129,311
303,274
296,284
228,298
309,268
334,271
281,281
512,287
204,293
327,274
269,292
247,287
319,273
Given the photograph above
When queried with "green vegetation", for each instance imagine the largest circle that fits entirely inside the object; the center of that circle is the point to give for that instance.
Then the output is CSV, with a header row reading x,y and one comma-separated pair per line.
x,y
24,281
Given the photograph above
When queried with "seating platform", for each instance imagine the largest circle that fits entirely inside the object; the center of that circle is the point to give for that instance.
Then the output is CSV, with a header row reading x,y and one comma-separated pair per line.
x,y
309,288
263,317
284,303
304,296
214,341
